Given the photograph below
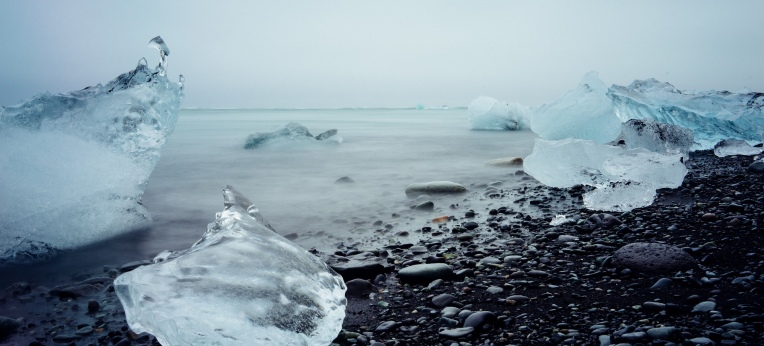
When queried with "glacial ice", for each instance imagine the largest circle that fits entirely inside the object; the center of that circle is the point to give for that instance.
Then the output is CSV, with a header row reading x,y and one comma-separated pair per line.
x,y
487,113
711,115
240,284
657,137
289,133
623,178
74,165
584,112
729,147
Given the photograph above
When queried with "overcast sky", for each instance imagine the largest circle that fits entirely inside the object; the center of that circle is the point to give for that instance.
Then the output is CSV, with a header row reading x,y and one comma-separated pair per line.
x,y
326,54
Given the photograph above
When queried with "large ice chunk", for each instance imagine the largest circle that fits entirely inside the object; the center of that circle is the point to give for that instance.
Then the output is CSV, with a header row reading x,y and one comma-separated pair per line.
x,y
729,147
487,113
74,166
657,137
623,178
584,112
241,284
711,115
290,132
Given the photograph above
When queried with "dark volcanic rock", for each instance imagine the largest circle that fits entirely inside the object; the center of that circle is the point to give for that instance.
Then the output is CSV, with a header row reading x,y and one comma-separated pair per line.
x,y
653,258
359,270
8,326
425,273
358,288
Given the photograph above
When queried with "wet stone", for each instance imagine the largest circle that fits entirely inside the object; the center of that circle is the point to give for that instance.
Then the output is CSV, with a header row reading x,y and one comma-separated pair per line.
x,y
443,300
480,319
358,288
661,332
457,332
8,326
661,283
386,326
653,258
425,273
704,306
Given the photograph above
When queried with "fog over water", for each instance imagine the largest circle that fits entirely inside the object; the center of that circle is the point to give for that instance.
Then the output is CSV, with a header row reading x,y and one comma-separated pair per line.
x,y
327,54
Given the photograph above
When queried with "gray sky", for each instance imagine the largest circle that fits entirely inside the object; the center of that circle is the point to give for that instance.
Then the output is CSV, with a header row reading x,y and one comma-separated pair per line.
x,y
325,54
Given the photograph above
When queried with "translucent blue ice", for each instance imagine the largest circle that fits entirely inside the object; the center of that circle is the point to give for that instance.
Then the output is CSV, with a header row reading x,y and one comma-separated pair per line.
x,y
584,113
241,284
74,165
487,113
711,115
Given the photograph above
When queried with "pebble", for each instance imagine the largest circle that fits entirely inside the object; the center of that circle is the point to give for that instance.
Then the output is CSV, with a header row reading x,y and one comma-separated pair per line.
x,y
8,326
480,319
84,331
704,306
457,332
756,167
701,341
434,187
386,326
661,283
661,332
93,306
443,300
653,258
426,273
425,206
494,289
358,288
450,311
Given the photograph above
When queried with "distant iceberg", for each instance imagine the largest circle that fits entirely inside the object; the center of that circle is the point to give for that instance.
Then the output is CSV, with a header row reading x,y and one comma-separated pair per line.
x,y
241,284
711,115
288,133
487,113
74,166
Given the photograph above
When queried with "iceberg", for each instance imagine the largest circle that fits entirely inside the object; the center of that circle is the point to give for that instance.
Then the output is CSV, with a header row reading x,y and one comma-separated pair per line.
x,y
487,113
656,137
240,284
585,112
711,115
623,179
729,147
74,166
288,133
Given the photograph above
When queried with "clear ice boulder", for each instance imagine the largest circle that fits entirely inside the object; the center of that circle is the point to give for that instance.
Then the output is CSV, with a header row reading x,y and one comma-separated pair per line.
x,y
623,179
74,166
729,147
240,284
584,112
657,137
712,116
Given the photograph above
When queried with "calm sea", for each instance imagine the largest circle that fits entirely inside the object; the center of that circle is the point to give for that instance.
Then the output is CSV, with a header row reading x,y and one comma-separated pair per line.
x,y
293,184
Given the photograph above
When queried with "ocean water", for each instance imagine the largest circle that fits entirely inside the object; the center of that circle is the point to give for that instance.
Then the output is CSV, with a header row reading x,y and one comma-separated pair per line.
x,y
293,183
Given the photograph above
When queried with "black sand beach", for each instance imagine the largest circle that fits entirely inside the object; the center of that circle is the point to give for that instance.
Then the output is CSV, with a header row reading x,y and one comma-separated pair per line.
x,y
501,277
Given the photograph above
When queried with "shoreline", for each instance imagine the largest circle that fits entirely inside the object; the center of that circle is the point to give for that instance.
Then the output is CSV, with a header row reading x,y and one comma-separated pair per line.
x,y
524,281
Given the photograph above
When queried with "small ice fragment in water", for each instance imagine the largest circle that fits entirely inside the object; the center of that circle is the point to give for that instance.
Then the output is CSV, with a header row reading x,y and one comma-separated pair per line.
x,y
158,43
